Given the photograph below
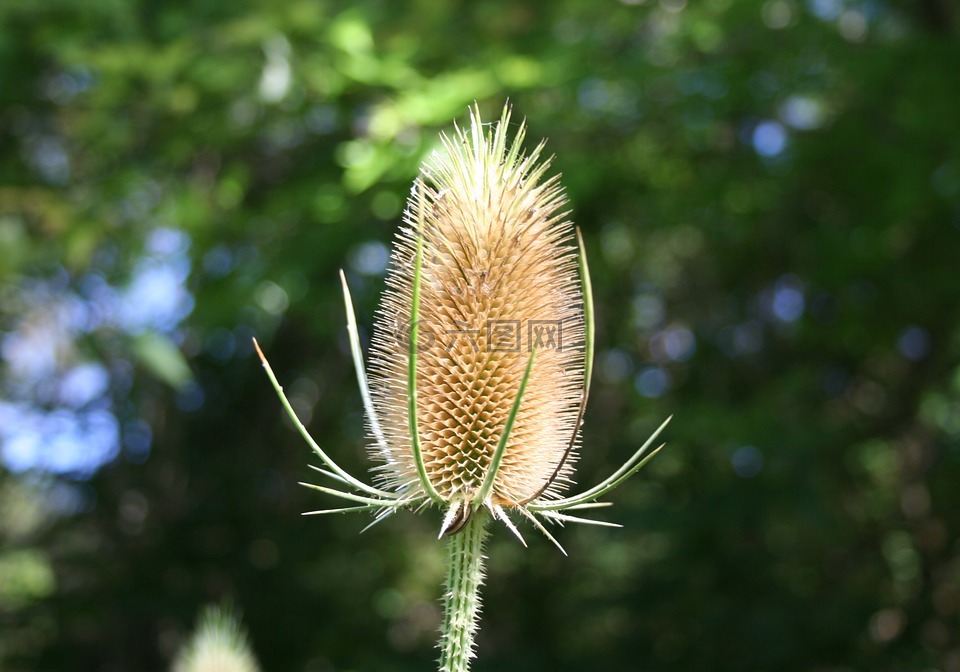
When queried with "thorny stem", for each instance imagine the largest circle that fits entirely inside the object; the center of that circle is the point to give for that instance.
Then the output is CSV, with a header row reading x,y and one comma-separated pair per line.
x,y
461,602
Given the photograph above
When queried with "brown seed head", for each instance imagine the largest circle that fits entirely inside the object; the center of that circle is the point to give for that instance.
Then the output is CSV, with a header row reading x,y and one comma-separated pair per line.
x,y
499,277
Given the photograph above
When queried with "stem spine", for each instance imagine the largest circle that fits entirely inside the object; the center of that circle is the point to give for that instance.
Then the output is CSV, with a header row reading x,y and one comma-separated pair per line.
x,y
461,601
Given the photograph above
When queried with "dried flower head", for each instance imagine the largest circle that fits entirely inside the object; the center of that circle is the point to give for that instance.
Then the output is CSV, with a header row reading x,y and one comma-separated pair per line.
x,y
498,281
483,345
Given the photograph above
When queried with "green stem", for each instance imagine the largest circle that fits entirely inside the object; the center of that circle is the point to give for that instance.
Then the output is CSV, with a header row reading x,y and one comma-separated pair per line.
x,y
461,602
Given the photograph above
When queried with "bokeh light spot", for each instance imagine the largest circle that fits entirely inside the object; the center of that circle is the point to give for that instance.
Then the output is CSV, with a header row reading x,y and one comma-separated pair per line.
x,y
652,382
914,343
747,461
769,139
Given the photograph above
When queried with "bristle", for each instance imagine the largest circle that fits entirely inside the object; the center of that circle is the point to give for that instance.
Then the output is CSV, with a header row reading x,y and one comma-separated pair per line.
x,y
499,276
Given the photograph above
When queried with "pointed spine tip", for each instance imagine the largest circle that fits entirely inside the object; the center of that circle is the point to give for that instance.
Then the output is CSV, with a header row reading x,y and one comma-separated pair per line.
x,y
256,346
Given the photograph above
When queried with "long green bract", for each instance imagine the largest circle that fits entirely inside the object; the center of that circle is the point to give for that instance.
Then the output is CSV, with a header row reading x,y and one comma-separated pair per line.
x,y
495,461
631,466
588,344
353,482
357,355
412,357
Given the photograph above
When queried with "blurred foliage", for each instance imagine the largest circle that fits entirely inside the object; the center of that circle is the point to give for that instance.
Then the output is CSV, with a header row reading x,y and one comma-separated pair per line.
x,y
770,193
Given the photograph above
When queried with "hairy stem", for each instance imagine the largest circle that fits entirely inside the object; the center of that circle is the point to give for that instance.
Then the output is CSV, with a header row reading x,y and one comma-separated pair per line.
x,y
461,602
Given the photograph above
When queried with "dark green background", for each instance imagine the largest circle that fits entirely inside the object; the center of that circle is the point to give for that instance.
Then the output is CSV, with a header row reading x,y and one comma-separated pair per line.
x,y
770,196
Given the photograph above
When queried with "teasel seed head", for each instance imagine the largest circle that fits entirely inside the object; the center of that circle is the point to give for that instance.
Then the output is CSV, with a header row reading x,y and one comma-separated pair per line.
x,y
498,279
482,351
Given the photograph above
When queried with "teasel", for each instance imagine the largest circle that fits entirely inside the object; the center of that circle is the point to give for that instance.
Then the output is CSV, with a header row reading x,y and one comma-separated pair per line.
x,y
480,364
219,644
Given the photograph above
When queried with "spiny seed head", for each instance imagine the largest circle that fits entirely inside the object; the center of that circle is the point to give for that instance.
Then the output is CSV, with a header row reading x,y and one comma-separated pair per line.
x,y
482,350
498,278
